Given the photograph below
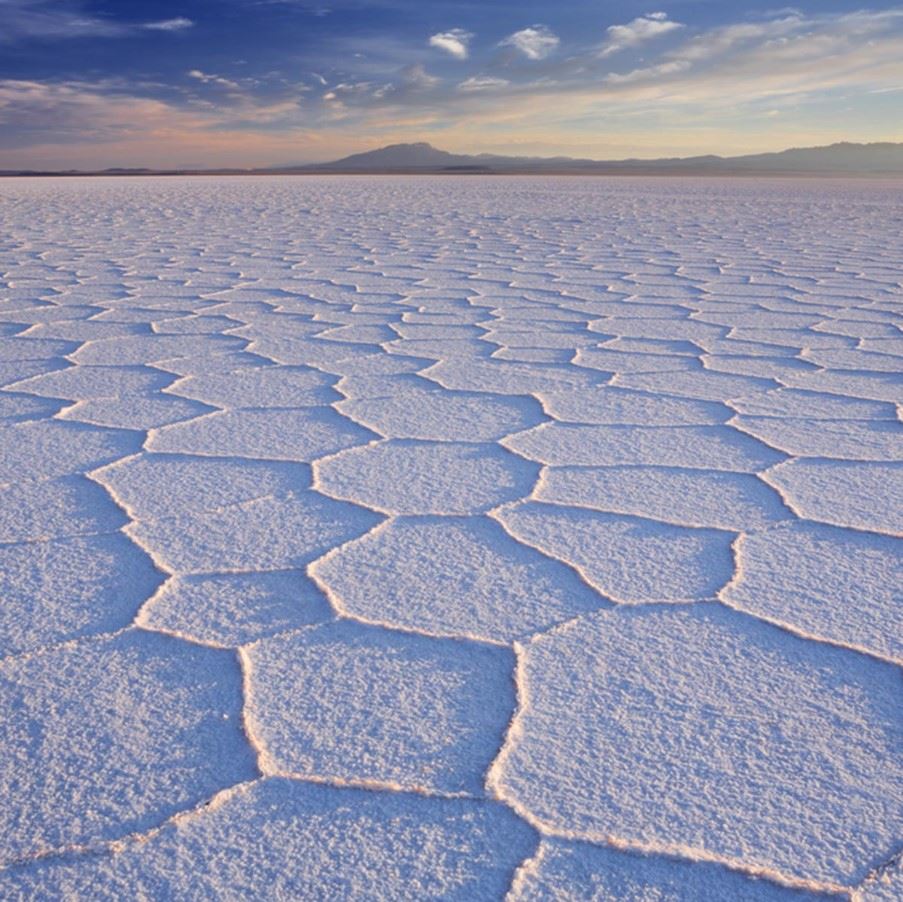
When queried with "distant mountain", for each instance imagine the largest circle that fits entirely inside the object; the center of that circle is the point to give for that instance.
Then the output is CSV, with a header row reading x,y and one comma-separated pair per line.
x,y
843,157
401,156
836,159
885,158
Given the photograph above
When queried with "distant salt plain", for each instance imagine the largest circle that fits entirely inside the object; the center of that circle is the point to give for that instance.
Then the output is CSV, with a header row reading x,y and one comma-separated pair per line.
x,y
384,538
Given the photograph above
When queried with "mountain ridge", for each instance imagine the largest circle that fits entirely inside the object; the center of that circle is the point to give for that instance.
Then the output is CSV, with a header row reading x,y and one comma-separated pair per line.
x,y
841,158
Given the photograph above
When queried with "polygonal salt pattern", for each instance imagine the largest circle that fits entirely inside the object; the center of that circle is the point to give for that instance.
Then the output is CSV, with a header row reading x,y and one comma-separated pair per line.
x,y
58,590
563,870
140,349
126,412
697,731
233,609
111,736
613,406
39,510
15,408
46,448
687,497
843,492
705,385
366,705
88,383
271,434
705,447
303,841
440,415
260,387
844,439
452,576
269,533
411,477
628,559
836,584
152,486
395,429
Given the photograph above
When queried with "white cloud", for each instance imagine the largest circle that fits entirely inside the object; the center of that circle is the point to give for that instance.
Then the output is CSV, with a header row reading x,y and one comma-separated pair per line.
x,y
209,79
179,23
787,57
454,42
348,90
535,42
643,28
673,67
482,83
416,76
719,40
50,20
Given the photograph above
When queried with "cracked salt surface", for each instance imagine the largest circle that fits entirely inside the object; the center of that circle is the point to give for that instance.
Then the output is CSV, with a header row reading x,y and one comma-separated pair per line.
x,y
451,539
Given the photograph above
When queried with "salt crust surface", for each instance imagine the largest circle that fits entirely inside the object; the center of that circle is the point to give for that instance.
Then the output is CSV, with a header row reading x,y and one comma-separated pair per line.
x,y
449,538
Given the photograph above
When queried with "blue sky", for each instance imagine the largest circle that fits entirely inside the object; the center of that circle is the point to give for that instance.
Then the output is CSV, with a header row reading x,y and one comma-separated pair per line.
x,y
95,83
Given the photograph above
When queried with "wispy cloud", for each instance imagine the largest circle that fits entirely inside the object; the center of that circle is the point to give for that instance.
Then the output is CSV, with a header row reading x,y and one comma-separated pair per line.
x,y
29,19
55,20
179,23
416,76
210,79
671,67
535,42
482,83
454,42
638,31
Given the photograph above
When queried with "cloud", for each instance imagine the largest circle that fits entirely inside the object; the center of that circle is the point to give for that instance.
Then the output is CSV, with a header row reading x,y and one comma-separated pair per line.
x,y
75,112
454,42
209,79
416,76
711,90
42,19
52,20
641,29
179,23
482,83
718,41
535,42
672,67
791,56
92,125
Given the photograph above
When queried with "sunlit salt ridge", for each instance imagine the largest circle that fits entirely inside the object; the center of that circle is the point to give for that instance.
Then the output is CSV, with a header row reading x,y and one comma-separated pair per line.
x,y
451,539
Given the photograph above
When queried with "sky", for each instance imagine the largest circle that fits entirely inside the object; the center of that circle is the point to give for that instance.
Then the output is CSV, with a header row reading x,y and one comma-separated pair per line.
x,y
185,83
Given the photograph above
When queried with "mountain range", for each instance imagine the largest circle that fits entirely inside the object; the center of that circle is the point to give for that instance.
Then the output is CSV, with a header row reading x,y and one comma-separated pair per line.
x,y
836,158
421,158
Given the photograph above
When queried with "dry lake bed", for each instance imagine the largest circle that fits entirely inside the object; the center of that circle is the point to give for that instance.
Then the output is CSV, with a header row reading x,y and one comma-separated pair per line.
x,y
455,538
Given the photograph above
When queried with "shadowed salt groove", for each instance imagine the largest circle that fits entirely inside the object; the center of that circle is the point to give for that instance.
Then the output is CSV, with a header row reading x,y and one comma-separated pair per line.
x,y
370,452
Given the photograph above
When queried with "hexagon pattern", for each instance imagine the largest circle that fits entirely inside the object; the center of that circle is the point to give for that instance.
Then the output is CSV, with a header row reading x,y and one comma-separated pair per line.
x,y
414,547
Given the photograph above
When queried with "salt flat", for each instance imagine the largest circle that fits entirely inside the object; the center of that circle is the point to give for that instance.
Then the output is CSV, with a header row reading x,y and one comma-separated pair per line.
x,y
385,538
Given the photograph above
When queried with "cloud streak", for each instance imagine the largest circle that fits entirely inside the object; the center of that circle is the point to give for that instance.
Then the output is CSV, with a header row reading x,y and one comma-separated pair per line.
x,y
179,23
209,79
61,20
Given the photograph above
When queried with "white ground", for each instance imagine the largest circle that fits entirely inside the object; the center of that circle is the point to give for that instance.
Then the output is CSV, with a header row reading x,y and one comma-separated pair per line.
x,y
449,538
